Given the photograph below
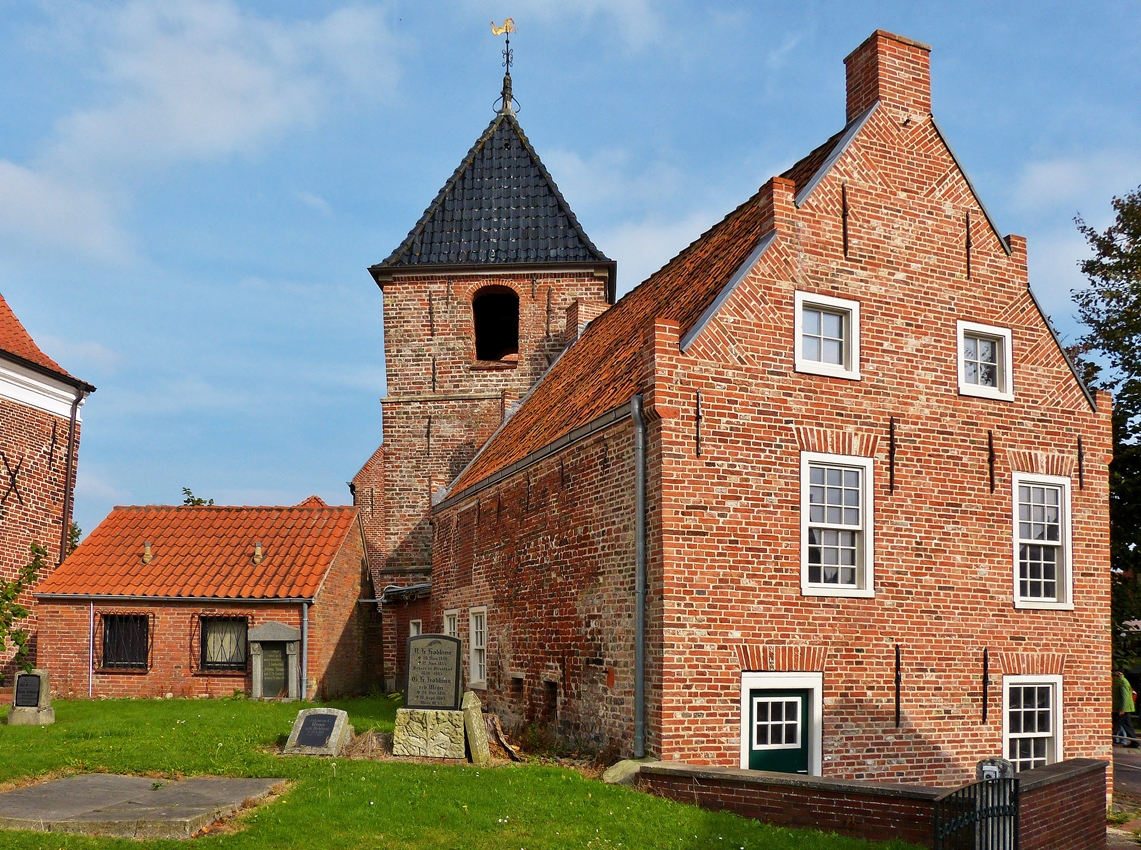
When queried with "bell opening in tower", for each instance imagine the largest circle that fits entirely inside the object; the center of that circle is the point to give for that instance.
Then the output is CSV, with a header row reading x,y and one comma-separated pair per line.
x,y
495,310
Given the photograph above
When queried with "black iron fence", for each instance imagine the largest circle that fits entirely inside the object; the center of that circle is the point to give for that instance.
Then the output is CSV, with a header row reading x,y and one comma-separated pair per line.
x,y
979,816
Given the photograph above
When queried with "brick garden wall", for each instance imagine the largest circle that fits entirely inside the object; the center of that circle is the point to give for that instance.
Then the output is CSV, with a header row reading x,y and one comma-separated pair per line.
x,y
35,445
1062,806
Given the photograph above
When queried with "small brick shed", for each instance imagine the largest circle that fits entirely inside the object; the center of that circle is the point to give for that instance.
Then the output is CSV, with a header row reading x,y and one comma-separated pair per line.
x,y
208,600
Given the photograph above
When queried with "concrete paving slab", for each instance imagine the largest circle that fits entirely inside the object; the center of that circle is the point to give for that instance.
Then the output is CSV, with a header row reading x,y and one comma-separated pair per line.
x,y
127,806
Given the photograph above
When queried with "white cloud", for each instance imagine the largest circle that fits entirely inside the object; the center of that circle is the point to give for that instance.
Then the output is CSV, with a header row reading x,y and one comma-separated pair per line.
x,y
635,21
644,247
42,210
76,355
315,201
178,81
1082,180
609,179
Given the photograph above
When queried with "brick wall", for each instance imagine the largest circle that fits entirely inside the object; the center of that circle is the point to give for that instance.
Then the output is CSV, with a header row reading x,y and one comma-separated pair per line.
x,y
1062,806
34,444
550,552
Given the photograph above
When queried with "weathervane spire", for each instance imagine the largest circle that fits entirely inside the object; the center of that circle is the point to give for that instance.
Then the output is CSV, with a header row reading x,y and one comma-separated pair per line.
x,y
505,97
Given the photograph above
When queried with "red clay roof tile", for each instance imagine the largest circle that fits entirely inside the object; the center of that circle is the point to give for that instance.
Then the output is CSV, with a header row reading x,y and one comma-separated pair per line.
x,y
207,551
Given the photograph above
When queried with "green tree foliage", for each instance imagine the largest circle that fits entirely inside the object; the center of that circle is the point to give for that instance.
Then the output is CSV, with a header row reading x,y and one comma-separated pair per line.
x,y
1111,309
192,500
12,612
74,535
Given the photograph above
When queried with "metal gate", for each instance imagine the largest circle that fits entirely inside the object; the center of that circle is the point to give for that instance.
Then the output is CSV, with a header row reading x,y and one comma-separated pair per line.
x,y
979,816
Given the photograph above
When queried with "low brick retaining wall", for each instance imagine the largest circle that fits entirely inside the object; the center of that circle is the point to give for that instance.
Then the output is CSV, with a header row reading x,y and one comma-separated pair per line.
x,y
1062,806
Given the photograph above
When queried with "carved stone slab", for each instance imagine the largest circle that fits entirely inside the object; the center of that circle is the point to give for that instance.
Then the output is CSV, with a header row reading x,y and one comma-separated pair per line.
x,y
319,732
434,672
428,733
476,730
32,704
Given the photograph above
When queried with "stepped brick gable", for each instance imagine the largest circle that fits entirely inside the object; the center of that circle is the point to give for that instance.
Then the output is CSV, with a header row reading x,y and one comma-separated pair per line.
x,y
39,453
868,476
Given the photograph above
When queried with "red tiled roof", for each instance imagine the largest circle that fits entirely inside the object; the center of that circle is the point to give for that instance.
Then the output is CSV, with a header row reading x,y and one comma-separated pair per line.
x,y
601,370
15,340
206,551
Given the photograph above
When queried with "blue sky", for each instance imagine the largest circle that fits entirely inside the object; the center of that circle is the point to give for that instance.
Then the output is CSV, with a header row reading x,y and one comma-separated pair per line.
x,y
190,191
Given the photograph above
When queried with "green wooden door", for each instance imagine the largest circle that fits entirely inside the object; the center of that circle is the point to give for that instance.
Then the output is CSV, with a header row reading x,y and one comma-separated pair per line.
x,y
778,730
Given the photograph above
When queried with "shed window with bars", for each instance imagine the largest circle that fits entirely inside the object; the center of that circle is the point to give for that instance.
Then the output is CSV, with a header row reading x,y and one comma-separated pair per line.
x,y
224,643
126,641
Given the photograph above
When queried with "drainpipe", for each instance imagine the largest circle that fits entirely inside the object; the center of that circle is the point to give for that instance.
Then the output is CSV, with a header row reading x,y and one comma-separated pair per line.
x,y
640,577
304,650
90,650
68,484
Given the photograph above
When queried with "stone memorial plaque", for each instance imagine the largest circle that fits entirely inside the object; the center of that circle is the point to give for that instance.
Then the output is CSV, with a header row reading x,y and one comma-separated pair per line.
x,y
316,730
27,690
319,732
434,673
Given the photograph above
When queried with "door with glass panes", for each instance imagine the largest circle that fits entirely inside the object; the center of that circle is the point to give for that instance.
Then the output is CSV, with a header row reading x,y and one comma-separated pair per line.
x,y
778,730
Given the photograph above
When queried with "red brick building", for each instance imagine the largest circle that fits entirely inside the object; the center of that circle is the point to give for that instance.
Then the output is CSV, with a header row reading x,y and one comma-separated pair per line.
x,y
196,601
39,451
476,305
822,495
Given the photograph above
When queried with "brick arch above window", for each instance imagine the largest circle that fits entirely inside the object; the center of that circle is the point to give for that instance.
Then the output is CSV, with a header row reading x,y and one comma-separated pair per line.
x,y
1032,663
827,441
1040,463
779,657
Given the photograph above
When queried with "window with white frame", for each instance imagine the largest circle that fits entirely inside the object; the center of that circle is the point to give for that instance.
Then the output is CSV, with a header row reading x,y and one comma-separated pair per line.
x,y
827,335
1032,720
452,623
836,525
776,723
415,627
985,361
1043,577
477,641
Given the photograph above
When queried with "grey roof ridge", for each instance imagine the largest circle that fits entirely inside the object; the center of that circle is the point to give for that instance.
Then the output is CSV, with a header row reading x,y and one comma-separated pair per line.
x,y
465,164
850,132
727,290
448,489
978,199
1058,341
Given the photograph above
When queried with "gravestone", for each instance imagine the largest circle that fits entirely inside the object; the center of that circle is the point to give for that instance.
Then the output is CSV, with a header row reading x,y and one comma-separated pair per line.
x,y
31,705
476,730
431,725
319,732
994,768
434,673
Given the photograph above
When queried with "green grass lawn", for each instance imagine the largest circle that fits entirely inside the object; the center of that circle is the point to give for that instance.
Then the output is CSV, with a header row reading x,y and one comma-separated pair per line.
x,y
362,803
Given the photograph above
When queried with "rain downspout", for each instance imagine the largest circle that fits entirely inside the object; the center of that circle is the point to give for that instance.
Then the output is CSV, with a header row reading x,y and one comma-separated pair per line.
x,y
68,484
304,650
90,649
640,577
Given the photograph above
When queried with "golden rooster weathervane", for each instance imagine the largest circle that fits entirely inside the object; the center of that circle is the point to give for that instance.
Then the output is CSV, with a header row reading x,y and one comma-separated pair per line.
x,y
507,28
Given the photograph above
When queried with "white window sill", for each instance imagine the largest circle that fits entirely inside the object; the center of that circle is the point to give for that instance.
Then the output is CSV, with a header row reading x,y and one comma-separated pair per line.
x,y
832,590
985,392
1034,605
478,686
812,367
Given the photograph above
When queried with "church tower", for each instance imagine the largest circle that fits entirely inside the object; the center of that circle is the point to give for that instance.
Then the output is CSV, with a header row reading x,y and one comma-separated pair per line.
x,y
494,280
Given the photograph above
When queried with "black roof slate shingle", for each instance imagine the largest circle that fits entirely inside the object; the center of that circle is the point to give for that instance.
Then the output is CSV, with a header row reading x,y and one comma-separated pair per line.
x,y
500,207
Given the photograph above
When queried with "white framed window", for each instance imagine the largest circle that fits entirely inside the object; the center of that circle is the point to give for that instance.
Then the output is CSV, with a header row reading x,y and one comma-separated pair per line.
x,y
415,627
776,722
477,642
827,335
813,683
1043,576
986,361
836,537
1032,720
452,623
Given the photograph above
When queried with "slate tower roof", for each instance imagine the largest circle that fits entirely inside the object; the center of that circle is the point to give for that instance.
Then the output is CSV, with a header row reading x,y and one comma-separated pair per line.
x,y
500,208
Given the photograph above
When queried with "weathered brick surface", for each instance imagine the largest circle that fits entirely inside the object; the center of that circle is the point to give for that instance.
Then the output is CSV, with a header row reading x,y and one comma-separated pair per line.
x,y
337,649
34,444
1059,812
724,527
443,404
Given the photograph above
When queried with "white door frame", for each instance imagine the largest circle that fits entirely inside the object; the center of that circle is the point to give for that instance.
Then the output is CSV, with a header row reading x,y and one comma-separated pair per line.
x,y
811,682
